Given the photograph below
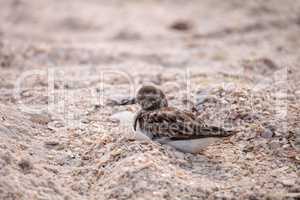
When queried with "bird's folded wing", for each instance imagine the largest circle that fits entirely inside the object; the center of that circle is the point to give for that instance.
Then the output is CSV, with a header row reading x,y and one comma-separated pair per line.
x,y
170,122
178,125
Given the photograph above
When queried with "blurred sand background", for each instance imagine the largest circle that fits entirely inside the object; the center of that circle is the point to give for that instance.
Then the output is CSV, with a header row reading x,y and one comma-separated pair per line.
x,y
77,62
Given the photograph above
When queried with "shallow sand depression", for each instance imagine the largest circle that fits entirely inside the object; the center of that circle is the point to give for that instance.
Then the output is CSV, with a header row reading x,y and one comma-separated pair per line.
x,y
68,68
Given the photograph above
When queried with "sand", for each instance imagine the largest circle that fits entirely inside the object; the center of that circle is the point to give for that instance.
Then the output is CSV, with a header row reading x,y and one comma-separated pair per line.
x,y
68,67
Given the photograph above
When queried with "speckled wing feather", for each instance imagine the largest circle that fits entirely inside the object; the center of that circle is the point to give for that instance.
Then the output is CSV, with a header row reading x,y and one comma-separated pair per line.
x,y
173,123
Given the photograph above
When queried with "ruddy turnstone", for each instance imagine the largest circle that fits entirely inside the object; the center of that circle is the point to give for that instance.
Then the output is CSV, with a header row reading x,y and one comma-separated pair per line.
x,y
163,123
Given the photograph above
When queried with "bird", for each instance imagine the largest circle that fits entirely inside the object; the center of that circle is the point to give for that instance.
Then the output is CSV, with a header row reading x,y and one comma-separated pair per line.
x,y
163,123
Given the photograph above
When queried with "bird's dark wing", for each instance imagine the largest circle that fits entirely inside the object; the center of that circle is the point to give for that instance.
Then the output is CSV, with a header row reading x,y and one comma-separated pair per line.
x,y
167,122
176,124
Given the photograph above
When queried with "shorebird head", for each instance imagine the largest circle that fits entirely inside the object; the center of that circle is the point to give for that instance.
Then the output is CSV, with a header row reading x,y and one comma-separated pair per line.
x,y
151,98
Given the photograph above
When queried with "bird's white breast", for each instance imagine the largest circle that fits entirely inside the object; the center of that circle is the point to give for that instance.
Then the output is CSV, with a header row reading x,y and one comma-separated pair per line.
x,y
142,134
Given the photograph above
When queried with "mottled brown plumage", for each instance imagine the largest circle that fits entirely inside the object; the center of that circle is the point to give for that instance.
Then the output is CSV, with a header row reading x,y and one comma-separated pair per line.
x,y
157,120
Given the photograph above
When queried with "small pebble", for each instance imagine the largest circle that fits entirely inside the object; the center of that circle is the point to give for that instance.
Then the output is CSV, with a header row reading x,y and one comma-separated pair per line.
x,y
267,133
25,165
42,118
51,143
85,121
181,25
120,101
